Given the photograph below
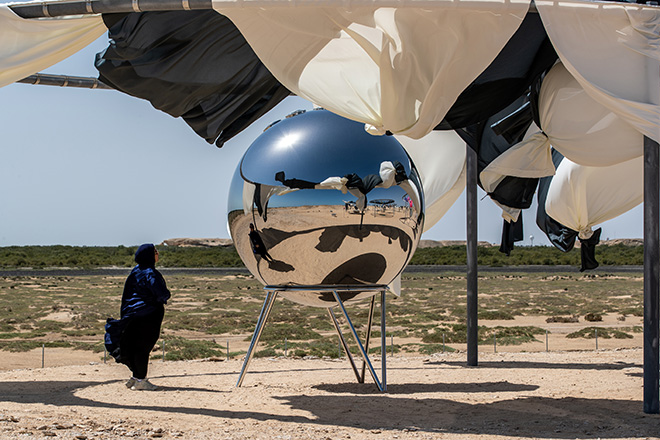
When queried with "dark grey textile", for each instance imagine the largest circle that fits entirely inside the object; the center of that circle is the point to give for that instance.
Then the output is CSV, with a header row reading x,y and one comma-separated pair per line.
x,y
588,251
525,57
190,64
512,232
562,237
491,138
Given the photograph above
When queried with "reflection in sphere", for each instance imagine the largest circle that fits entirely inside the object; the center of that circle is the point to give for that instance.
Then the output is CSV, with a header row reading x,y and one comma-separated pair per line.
x,y
329,204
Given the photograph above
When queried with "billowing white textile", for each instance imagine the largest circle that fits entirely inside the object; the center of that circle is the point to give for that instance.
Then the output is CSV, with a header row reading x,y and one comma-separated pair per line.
x,y
440,160
28,46
582,197
582,129
612,50
393,68
529,158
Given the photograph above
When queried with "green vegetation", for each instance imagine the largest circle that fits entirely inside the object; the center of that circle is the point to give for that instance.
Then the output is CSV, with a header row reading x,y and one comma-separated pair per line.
x,y
605,333
119,256
70,311
615,255
180,349
175,256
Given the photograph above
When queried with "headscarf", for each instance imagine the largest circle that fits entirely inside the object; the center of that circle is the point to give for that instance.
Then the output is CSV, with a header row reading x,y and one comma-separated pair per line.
x,y
145,255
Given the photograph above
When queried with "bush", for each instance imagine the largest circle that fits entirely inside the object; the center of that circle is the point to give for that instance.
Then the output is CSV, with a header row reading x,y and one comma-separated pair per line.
x,y
593,317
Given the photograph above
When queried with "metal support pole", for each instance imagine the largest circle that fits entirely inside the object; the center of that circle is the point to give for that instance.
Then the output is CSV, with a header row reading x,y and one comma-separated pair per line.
x,y
263,317
383,344
368,337
343,343
471,231
651,275
365,355
86,7
46,79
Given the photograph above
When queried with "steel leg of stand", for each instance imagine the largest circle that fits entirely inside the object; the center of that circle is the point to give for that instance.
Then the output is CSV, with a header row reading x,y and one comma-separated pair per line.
x,y
345,345
383,343
365,355
261,322
366,342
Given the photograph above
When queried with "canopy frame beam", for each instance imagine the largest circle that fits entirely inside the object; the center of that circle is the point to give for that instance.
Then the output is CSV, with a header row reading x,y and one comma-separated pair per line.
x,y
56,8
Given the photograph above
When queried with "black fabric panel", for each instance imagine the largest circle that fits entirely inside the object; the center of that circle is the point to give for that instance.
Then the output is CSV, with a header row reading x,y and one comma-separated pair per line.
x,y
364,185
515,192
511,233
190,64
588,251
294,183
562,237
492,136
525,57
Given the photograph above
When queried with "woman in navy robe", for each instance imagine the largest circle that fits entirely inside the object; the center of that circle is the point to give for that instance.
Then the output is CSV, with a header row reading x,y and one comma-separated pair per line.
x,y
130,339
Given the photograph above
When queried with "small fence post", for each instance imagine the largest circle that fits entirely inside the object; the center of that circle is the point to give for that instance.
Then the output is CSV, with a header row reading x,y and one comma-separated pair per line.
x,y
596,331
163,350
285,346
105,352
43,354
392,344
227,349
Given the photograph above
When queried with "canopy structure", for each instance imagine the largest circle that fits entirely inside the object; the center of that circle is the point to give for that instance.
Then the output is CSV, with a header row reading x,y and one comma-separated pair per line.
x,y
515,80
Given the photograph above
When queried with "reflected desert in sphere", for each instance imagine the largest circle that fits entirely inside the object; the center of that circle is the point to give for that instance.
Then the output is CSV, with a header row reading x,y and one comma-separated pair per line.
x,y
329,204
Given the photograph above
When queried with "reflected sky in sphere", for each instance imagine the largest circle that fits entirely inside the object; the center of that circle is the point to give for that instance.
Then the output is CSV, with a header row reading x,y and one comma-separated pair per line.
x,y
353,150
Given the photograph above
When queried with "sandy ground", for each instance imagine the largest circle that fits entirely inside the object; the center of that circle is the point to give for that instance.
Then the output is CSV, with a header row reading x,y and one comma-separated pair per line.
x,y
554,395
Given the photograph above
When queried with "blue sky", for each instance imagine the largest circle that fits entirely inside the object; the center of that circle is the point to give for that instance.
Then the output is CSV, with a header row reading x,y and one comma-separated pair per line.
x,y
97,167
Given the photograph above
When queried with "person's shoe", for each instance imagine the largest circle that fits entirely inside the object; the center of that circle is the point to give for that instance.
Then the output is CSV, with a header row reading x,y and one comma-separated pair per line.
x,y
144,385
130,382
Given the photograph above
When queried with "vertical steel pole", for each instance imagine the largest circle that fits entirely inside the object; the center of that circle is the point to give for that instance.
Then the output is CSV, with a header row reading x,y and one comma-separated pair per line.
x,y
652,248
383,343
471,231
651,275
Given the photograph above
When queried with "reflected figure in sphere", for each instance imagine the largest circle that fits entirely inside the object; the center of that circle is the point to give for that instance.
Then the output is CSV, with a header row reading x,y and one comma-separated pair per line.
x,y
258,247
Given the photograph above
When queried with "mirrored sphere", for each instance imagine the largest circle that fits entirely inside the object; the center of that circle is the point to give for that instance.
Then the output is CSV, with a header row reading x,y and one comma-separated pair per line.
x,y
318,201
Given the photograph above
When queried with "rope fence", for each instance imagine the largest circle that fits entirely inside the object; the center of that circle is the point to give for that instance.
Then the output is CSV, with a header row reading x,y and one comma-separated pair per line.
x,y
588,344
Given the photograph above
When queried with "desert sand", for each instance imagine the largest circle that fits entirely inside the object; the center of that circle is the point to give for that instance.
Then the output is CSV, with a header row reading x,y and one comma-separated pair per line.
x,y
521,395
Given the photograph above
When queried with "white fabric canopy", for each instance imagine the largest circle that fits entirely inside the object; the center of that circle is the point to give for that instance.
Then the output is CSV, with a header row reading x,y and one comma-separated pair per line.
x,y
582,197
28,46
612,50
440,160
582,129
393,68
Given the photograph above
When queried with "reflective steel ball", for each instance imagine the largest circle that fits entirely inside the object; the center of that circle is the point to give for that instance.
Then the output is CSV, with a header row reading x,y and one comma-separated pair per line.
x,y
318,201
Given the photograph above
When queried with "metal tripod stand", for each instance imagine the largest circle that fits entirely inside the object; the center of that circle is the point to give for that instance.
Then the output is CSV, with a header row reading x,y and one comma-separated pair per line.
x,y
336,290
